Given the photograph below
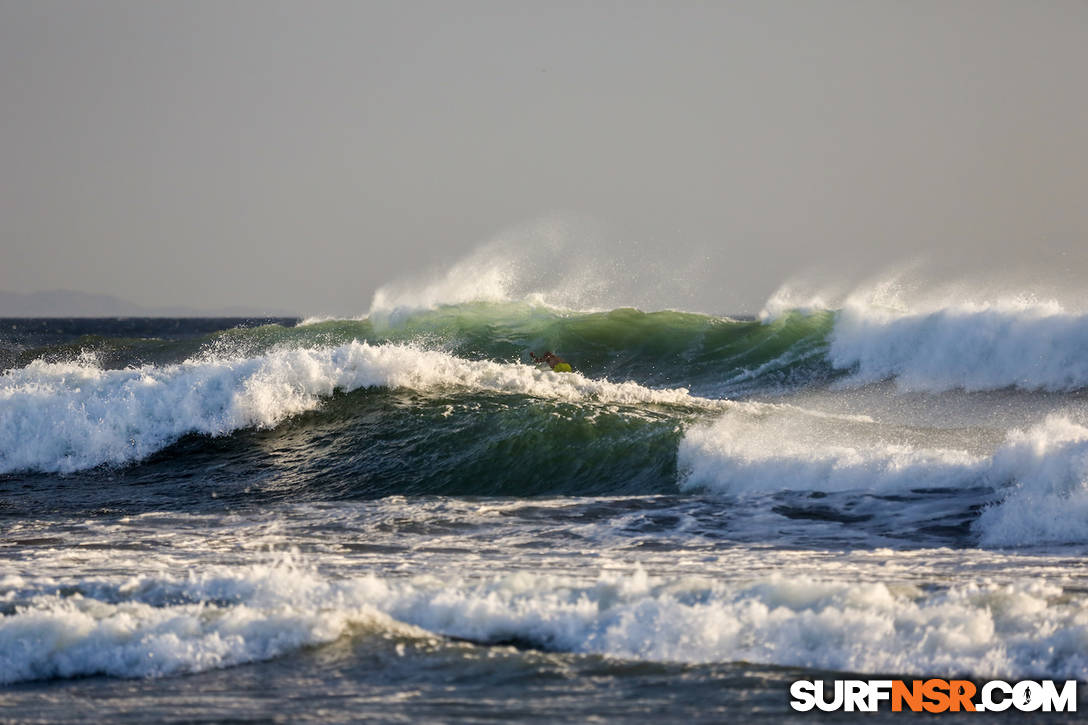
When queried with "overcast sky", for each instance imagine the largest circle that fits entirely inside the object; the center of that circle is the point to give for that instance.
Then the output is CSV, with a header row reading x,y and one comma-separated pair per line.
x,y
298,155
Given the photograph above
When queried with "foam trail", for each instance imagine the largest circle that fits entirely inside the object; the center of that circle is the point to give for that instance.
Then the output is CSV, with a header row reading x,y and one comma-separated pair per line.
x,y
65,417
739,454
1040,474
163,624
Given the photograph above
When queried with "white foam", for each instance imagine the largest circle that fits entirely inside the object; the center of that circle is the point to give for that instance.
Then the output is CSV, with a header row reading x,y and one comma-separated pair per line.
x,y
70,416
1040,474
230,616
266,611
1023,343
784,452
1048,465
934,337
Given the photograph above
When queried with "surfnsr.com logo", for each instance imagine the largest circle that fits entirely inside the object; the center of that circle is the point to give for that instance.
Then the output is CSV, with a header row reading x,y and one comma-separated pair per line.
x,y
934,695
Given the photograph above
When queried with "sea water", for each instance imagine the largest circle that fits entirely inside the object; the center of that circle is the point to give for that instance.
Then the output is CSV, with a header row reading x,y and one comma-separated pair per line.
x,y
398,517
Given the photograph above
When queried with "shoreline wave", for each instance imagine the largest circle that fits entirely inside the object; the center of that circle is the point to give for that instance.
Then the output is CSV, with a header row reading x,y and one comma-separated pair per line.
x,y
160,624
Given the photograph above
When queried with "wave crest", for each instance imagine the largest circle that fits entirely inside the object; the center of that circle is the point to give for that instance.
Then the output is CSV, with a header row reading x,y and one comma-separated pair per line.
x,y
63,417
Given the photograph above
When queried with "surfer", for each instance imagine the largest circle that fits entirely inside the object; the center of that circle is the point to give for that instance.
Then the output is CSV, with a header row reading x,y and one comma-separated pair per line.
x,y
553,361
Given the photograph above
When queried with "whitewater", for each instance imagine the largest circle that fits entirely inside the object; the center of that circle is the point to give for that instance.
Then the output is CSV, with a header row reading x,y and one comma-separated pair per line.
x,y
360,511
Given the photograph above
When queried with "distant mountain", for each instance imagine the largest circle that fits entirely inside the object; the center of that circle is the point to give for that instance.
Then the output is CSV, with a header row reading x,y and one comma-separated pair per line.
x,y
66,303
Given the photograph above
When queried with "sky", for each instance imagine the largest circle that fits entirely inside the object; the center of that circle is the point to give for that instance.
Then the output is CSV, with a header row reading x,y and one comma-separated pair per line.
x,y
298,156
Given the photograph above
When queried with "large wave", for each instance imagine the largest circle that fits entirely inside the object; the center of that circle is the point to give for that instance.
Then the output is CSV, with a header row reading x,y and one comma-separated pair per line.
x,y
69,416
925,338
974,346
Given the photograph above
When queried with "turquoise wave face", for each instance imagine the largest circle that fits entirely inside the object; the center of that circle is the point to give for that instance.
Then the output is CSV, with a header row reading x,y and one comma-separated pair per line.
x,y
373,443
380,443
701,352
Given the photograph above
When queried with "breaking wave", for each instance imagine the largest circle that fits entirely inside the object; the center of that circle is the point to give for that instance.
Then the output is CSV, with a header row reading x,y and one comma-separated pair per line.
x,y
1026,345
1039,474
65,417
162,624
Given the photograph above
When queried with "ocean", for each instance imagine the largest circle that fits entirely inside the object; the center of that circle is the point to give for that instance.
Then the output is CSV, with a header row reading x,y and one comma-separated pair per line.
x,y
400,518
